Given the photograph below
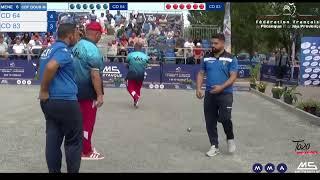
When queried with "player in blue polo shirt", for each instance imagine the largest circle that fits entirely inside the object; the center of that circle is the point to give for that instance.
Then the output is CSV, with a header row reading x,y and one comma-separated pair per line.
x,y
221,71
58,100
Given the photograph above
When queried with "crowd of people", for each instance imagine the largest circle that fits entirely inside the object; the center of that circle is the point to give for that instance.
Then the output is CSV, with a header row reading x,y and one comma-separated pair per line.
x,y
24,45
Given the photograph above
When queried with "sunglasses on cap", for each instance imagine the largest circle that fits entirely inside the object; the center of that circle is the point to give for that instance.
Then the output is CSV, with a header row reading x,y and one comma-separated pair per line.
x,y
67,19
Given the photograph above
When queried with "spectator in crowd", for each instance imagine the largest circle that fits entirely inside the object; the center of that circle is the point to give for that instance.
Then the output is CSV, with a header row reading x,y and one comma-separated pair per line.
x,y
35,45
93,16
255,58
189,44
19,49
3,48
282,63
152,40
130,47
112,48
129,31
197,40
146,27
143,40
198,53
26,38
178,22
163,22
189,56
102,20
121,31
140,20
124,41
117,18
109,17
133,39
123,55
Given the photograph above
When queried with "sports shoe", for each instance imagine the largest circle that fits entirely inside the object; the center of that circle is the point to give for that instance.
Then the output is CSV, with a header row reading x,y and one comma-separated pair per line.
x,y
213,151
136,104
231,146
92,156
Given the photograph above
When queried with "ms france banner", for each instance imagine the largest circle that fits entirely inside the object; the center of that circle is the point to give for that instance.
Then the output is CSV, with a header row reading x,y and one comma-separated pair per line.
x,y
309,61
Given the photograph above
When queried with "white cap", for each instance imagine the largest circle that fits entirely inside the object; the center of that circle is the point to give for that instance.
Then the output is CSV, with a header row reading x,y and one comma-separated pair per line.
x,y
198,44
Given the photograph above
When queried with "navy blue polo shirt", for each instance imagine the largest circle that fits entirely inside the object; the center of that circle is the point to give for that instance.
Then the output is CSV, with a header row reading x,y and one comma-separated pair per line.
x,y
63,85
218,69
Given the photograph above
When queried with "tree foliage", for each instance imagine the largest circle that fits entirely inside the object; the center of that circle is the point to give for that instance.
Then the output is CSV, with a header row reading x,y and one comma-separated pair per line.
x,y
245,36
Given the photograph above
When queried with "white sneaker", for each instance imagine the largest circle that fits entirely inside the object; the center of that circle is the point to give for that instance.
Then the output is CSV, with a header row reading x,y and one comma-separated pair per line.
x,y
231,146
213,151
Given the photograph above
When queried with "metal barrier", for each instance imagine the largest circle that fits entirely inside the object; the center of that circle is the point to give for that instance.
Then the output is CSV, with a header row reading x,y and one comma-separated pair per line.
x,y
201,31
156,55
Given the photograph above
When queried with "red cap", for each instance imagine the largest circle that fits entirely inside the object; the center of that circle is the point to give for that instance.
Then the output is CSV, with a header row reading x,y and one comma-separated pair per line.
x,y
94,26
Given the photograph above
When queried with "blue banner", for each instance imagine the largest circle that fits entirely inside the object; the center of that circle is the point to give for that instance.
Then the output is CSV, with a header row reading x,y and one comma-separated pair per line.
x,y
10,6
17,69
153,74
118,6
178,74
310,61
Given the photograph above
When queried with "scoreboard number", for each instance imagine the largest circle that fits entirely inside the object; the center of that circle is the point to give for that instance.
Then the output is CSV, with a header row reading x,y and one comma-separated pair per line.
x,y
16,15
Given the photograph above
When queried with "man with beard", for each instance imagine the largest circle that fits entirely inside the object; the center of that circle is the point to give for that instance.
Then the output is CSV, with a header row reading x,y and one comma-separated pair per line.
x,y
221,72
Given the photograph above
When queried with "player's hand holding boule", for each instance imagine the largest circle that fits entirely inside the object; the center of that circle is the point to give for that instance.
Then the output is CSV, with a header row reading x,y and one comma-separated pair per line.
x,y
99,101
199,94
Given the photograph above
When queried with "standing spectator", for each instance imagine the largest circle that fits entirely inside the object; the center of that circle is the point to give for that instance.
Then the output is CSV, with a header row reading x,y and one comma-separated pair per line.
x,y
109,17
282,62
19,49
117,18
3,48
102,20
133,39
129,30
140,20
146,27
178,22
163,22
255,58
198,53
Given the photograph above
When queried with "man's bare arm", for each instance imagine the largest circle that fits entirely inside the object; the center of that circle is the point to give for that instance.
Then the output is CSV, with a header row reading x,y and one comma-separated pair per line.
x,y
48,75
231,80
200,77
96,81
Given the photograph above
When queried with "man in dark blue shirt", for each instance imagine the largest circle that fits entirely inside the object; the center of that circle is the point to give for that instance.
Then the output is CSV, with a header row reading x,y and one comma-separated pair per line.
x,y
220,69
58,100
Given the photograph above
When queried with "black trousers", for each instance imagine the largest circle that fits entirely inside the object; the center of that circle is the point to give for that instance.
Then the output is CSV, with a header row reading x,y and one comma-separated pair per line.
x,y
63,120
217,108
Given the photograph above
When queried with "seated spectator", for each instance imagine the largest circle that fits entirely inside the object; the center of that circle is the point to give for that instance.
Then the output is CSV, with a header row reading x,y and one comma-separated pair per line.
x,y
26,38
178,22
129,31
19,49
3,48
133,39
35,45
197,40
143,40
152,41
189,56
117,18
189,44
146,27
198,53
102,20
121,31
124,41
130,47
112,48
